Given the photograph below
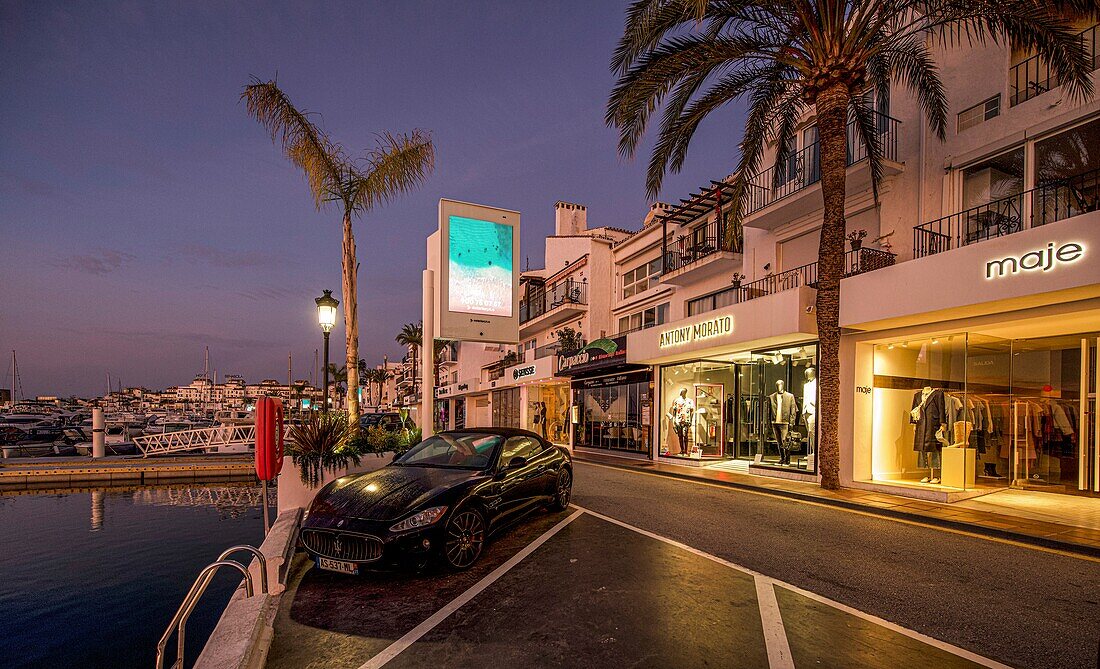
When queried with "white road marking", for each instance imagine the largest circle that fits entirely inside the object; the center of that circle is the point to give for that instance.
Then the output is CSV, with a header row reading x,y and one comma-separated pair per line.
x,y
942,645
414,635
775,636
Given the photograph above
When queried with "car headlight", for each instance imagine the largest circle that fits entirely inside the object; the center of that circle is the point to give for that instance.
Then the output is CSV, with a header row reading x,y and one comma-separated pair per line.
x,y
422,519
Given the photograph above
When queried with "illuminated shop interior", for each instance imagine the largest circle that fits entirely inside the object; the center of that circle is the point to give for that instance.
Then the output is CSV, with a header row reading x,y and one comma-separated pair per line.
x,y
759,406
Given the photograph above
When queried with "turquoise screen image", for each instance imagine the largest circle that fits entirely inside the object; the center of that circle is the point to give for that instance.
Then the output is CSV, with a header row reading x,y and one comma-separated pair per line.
x,y
480,266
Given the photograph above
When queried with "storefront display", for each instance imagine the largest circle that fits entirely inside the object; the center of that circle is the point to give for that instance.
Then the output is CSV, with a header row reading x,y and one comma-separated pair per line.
x,y
761,406
460,412
548,411
613,412
969,411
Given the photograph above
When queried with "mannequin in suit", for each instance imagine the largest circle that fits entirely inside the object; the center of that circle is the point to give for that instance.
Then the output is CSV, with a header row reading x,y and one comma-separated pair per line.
x,y
783,416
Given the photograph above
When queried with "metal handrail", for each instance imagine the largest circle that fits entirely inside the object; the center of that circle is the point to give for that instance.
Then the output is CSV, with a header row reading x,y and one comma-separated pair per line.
x,y
801,169
1050,201
259,557
1033,76
196,591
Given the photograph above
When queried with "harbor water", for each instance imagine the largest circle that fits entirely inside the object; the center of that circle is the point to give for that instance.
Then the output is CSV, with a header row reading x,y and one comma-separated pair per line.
x,y
91,578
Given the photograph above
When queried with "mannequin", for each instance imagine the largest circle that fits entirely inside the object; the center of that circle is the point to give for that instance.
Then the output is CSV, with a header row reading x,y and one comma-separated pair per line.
x,y
680,414
809,407
929,415
783,416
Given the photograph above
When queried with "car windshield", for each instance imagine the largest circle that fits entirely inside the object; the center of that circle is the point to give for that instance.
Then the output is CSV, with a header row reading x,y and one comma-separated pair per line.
x,y
454,450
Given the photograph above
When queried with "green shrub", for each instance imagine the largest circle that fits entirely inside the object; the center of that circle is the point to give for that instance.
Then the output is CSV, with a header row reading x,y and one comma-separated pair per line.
x,y
320,443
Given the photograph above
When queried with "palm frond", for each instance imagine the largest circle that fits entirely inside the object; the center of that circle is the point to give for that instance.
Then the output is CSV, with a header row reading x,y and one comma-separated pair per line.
x,y
305,143
398,164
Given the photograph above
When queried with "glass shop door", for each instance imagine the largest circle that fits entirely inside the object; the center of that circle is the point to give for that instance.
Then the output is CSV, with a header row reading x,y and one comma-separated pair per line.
x,y
1054,426
750,409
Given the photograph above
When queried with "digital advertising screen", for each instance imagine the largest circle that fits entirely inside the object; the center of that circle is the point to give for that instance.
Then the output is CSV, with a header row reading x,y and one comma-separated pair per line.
x,y
479,267
474,253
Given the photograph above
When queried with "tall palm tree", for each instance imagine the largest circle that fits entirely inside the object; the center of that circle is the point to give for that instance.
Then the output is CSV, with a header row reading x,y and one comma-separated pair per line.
x,y
412,334
396,165
786,58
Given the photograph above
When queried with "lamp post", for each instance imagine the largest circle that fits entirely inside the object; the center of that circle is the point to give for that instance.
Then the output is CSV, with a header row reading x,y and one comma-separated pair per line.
x,y
326,318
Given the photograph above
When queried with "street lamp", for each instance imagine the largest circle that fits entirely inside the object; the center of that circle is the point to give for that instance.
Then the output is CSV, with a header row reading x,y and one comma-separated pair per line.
x,y
326,318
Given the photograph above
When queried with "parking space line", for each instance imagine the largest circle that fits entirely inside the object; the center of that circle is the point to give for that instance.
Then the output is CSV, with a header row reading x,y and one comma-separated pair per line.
x,y
414,635
761,578
868,514
775,636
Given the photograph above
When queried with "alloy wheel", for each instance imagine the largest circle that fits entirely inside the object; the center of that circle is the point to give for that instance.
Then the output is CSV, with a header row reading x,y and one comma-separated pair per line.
x,y
564,490
465,538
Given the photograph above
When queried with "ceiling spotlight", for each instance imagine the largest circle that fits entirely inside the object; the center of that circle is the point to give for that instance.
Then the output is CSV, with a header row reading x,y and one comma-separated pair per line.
x,y
905,344
935,341
891,347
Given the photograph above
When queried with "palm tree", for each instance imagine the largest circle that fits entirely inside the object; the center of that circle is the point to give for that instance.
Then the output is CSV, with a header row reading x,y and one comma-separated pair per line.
x,y
789,57
338,377
396,165
438,346
412,334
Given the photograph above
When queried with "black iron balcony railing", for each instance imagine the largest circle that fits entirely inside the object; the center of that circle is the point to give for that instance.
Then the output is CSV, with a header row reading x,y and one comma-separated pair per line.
x,y
544,300
859,261
1033,76
698,243
1049,202
803,169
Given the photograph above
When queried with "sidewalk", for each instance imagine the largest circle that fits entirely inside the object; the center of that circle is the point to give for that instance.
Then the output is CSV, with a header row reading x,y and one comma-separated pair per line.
x,y
958,516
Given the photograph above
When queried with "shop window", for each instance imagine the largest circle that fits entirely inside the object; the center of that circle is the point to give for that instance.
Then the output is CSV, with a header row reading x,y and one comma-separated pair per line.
x,y
938,408
548,412
506,407
994,179
760,407
613,417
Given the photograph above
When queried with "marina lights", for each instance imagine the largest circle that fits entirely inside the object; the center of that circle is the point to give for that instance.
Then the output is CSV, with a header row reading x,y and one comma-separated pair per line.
x,y
326,311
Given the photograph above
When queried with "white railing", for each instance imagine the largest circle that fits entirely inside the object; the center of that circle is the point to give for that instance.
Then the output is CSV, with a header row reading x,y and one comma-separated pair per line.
x,y
224,437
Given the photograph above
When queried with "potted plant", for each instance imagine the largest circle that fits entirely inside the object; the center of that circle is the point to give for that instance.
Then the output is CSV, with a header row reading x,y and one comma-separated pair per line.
x,y
855,238
321,443
737,278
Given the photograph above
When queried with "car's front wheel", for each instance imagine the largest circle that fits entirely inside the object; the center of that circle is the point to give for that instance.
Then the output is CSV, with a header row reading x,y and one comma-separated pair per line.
x,y
464,538
563,490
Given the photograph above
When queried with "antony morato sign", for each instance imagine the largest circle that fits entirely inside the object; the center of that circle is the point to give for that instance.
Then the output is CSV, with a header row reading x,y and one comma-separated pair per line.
x,y
1041,260
715,327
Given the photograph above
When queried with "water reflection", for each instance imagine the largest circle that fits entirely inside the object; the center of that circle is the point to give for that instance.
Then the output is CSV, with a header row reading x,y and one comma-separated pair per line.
x,y
84,569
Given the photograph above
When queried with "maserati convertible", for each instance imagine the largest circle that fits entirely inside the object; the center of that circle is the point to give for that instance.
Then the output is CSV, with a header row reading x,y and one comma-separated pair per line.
x,y
441,500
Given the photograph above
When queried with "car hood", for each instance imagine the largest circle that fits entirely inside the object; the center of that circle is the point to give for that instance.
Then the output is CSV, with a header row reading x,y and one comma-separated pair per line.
x,y
384,494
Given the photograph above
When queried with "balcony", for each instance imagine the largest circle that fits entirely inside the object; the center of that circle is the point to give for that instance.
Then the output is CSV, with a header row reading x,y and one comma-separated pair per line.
x,y
699,253
550,305
856,262
1047,203
1033,77
774,198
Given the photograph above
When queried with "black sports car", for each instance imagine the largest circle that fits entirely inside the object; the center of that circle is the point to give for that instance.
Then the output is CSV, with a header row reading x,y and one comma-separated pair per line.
x,y
441,499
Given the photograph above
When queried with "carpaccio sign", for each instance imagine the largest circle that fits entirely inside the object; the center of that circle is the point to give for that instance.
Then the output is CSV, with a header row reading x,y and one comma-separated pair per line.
x,y
600,353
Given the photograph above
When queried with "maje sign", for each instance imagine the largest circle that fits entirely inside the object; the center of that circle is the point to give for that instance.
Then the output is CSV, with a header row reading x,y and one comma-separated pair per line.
x,y
708,329
1041,260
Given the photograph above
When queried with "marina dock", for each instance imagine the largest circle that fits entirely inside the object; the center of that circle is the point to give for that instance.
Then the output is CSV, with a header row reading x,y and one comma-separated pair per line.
x,y
55,472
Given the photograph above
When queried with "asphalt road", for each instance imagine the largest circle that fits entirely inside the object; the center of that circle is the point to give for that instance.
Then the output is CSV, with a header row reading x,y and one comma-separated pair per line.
x,y
1020,606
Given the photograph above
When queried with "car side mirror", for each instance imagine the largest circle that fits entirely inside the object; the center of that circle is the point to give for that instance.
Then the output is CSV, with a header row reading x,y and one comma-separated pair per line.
x,y
516,463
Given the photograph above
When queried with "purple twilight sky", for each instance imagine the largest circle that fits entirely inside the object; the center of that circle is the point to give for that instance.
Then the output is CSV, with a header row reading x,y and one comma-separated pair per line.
x,y
144,216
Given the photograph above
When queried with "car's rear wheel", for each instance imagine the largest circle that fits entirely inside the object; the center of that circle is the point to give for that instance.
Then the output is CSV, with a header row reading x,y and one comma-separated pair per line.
x,y
464,538
563,490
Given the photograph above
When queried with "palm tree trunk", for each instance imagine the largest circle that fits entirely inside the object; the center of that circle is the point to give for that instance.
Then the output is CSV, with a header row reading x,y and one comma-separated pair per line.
x,y
351,323
832,120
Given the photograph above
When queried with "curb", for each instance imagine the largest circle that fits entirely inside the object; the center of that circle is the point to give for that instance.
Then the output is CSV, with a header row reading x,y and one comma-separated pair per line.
x,y
1043,542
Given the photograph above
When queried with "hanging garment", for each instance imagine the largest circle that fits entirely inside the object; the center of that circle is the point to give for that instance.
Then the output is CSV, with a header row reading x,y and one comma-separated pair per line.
x,y
928,414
